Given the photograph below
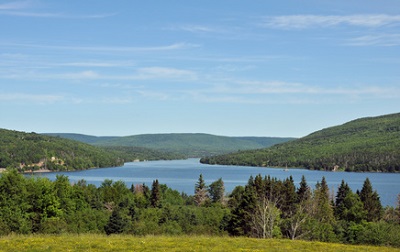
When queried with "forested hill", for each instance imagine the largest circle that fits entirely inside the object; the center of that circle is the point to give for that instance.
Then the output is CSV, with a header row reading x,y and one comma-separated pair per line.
x,y
189,145
367,144
27,151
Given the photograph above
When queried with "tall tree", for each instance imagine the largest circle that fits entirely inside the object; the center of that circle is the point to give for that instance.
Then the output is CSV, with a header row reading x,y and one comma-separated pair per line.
x,y
240,223
200,191
217,190
371,201
343,190
155,194
289,198
323,213
304,191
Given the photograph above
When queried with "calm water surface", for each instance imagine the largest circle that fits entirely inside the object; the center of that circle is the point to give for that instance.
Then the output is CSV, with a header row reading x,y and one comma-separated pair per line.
x,y
182,175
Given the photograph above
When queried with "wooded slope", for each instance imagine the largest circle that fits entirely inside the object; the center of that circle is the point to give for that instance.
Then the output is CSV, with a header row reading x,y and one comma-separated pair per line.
x,y
28,151
366,144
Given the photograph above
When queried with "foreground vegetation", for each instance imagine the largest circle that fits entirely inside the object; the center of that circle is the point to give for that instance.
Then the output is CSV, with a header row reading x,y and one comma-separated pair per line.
x,y
93,242
368,144
264,208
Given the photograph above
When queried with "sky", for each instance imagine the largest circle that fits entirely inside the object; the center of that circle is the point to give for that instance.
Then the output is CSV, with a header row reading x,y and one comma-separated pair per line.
x,y
228,67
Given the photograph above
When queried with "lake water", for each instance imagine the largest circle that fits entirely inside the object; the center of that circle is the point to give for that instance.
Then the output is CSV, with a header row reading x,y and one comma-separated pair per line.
x,y
182,175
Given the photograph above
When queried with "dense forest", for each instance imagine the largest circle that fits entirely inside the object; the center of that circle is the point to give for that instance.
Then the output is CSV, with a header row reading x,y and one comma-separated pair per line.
x,y
367,144
264,208
187,145
31,151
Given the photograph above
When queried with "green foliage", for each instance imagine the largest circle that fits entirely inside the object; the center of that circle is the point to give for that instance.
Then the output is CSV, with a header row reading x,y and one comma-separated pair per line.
x,y
217,191
155,194
368,144
30,151
265,208
200,191
371,201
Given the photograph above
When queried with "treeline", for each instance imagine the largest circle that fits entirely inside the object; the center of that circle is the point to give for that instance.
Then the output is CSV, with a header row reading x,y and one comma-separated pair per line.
x,y
363,145
264,208
31,151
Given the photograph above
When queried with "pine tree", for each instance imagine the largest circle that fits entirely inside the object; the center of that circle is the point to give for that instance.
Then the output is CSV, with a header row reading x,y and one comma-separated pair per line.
x,y
371,201
323,214
115,224
217,191
304,191
289,198
343,190
155,197
324,210
200,191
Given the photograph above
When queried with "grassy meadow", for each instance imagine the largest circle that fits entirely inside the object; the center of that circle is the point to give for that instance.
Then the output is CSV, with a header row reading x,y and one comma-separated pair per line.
x,y
93,242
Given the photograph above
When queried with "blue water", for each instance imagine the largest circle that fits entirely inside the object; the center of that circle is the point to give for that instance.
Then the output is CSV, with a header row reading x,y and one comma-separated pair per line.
x,y
182,175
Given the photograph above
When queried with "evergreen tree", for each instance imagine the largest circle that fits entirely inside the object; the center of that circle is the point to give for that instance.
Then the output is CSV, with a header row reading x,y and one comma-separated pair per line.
x,y
115,224
217,190
371,201
304,191
259,185
322,214
155,194
200,191
240,223
324,210
352,208
289,198
343,190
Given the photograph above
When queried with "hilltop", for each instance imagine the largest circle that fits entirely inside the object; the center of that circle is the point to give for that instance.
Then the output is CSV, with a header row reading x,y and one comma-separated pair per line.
x,y
366,144
187,144
31,151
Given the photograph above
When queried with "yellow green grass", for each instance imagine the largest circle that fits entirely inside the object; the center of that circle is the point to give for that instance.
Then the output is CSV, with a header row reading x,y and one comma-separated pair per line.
x,y
90,242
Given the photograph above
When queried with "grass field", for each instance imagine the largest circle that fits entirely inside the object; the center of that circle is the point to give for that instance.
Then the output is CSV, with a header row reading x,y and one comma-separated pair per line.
x,y
89,242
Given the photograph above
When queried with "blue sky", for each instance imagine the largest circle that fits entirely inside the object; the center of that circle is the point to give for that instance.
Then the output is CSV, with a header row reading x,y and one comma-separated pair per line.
x,y
235,68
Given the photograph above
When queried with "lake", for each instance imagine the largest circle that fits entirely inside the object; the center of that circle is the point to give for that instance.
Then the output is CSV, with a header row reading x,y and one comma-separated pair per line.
x,y
182,175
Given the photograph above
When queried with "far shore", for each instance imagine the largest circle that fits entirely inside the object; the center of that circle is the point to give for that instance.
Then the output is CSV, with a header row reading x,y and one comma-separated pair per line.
x,y
28,171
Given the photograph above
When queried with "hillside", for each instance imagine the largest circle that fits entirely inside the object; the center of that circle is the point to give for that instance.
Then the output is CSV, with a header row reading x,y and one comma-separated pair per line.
x,y
193,145
366,144
28,151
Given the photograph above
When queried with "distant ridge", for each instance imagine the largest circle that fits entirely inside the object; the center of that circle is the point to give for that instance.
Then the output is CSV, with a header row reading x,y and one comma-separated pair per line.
x,y
366,144
187,144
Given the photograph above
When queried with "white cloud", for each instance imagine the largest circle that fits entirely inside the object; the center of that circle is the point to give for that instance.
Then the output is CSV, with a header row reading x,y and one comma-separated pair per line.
x,y
79,75
98,64
55,15
30,98
121,49
375,40
197,28
279,92
165,73
16,5
311,21
24,9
